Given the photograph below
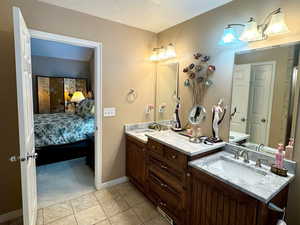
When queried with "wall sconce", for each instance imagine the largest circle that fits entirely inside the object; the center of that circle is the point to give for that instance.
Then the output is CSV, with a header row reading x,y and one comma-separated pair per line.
x,y
273,24
163,53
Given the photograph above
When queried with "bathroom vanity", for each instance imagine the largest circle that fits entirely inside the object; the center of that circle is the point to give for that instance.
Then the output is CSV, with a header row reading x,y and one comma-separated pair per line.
x,y
174,174
224,183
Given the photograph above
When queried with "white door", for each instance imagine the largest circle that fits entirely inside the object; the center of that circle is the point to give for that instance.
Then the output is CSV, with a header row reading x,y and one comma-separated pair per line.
x,y
25,113
240,97
260,102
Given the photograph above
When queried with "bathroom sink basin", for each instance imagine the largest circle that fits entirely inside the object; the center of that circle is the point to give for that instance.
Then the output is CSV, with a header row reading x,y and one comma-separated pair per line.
x,y
236,170
144,131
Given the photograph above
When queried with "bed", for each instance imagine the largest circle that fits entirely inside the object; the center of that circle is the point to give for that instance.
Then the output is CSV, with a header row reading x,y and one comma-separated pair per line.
x,y
61,128
63,136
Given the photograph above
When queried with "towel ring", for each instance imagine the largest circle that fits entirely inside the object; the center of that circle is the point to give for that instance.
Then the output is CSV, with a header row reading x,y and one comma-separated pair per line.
x,y
132,95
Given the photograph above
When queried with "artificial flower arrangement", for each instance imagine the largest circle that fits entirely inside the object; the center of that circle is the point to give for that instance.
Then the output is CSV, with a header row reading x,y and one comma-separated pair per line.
x,y
198,76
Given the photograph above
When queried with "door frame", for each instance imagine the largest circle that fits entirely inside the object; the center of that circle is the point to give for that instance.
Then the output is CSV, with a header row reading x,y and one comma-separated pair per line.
x,y
273,63
97,47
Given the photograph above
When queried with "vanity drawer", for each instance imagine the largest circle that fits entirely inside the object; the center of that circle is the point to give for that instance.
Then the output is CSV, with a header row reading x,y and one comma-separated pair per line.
x,y
176,158
163,168
165,196
168,179
155,147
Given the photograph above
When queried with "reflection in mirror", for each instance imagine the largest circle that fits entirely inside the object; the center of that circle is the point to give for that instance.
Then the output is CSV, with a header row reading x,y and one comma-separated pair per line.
x,y
265,92
166,91
197,115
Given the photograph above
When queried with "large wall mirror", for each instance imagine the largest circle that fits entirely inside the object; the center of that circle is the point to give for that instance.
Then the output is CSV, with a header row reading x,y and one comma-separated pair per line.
x,y
166,91
265,96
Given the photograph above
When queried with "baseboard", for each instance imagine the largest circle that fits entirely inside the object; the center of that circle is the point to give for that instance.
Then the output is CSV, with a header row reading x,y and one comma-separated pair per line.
x,y
111,183
10,215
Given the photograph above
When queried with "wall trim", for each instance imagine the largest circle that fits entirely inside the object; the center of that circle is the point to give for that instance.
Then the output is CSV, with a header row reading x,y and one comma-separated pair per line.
x,y
10,215
111,183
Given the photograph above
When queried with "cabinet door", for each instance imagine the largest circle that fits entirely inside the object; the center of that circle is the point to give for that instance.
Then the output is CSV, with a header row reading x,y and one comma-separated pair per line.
x,y
136,162
214,203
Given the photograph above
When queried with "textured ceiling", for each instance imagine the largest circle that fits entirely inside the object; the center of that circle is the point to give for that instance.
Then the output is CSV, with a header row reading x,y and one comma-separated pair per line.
x,y
59,50
152,15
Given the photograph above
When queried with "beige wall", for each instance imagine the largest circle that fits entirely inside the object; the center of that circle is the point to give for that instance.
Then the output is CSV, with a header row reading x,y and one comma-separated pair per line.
x,y
202,34
125,50
283,57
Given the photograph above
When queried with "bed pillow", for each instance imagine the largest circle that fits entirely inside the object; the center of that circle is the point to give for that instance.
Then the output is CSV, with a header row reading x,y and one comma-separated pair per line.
x,y
86,108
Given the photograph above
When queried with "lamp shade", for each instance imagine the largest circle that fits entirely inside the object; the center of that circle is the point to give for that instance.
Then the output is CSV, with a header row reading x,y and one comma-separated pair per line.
x,y
251,32
154,55
229,36
170,52
277,25
77,97
162,53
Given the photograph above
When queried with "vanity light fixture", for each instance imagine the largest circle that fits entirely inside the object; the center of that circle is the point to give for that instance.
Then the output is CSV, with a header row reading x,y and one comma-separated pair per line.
x,y
277,24
274,24
251,32
163,53
230,35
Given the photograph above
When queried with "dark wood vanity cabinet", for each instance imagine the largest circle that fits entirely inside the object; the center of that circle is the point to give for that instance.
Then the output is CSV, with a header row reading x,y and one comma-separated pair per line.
x,y
136,162
189,196
212,202
167,180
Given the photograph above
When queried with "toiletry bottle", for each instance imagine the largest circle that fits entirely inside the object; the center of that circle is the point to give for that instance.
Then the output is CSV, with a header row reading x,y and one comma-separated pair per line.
x,y
289,149
279,156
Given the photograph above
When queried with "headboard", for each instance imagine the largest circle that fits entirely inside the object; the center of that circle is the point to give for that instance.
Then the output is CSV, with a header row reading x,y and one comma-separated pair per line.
x,y
54,93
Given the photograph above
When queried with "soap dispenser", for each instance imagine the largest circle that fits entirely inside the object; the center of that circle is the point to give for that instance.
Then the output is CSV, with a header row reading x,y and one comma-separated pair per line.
x,y
289,150
279,156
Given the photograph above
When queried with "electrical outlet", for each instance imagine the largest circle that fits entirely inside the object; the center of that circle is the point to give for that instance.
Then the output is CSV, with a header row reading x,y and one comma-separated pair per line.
x,y
109,112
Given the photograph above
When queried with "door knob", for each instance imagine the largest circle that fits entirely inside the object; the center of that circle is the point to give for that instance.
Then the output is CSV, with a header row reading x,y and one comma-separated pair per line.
x,y
263,120
243,119
23,159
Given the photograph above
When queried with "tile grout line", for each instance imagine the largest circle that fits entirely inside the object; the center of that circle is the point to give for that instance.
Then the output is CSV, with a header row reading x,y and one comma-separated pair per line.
x,y
74,214
107,218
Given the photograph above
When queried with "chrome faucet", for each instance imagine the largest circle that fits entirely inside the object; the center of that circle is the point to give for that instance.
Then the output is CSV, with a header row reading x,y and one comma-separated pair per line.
x,y
259,161
259,147
244,153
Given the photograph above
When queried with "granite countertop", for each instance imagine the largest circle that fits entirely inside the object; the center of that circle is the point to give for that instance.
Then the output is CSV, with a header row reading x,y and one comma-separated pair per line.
x,y
169,138
181,143
138,134
261,184
235,137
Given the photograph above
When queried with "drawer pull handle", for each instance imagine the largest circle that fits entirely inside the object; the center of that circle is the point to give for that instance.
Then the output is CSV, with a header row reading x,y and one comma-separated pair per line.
x,y
163,185
174,156
162,204
163,166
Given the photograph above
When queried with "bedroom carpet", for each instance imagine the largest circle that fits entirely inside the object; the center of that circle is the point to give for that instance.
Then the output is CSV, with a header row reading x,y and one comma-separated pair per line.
x,y
63,181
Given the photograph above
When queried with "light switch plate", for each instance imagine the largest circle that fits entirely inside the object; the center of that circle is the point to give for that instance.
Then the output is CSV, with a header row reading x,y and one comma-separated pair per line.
x,y
109,112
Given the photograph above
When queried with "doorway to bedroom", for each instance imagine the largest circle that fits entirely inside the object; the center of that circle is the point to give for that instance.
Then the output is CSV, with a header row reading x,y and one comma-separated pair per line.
x,y
63,88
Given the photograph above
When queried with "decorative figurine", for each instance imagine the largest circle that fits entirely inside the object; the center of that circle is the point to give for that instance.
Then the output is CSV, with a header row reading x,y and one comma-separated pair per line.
x,y
219,112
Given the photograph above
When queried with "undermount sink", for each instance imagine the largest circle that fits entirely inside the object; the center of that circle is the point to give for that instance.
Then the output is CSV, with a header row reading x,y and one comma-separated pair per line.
x,y
144,131
236,170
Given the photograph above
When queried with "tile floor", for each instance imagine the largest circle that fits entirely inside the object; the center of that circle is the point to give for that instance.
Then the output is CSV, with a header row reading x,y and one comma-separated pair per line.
x,y
75,179
122,204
